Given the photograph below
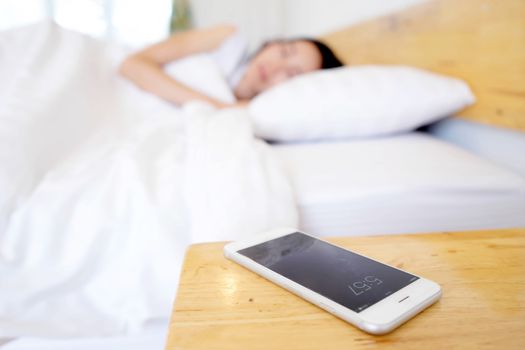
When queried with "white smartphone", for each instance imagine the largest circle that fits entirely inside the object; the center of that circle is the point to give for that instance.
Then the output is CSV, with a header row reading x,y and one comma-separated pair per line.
x,y
372,296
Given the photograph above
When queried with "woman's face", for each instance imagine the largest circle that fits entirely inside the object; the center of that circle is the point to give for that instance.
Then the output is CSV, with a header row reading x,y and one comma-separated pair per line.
x,y
277,62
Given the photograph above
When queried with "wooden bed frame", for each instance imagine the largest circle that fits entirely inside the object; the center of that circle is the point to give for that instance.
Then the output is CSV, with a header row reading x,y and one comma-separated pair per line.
x,y
480,41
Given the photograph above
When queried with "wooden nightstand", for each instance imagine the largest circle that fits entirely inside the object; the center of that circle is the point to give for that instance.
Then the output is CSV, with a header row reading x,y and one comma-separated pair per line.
x,y
221,305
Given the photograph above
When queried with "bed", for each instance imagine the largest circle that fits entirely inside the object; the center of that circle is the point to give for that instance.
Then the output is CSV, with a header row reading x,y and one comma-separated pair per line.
x,y
414,182
445,37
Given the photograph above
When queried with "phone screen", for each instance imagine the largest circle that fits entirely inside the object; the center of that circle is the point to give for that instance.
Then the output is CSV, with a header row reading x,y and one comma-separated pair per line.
x,y
347,278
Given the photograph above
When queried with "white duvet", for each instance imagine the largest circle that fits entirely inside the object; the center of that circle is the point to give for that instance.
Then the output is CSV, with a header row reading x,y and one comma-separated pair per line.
x,y
102,186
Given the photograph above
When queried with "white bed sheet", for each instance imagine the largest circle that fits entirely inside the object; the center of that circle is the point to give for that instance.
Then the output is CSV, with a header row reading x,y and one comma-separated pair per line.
x,y
402,184
93,226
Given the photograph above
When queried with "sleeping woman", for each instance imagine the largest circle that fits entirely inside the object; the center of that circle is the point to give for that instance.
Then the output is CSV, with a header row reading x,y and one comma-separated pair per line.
x,y
275,62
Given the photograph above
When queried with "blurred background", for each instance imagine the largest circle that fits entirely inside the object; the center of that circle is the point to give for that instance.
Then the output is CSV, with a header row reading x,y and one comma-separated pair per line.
x,y
136,23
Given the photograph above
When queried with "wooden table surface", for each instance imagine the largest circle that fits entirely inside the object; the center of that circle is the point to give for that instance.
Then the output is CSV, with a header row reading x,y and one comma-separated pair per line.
x,y
221,305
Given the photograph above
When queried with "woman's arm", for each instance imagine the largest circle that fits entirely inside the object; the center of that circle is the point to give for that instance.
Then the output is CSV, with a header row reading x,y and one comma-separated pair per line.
x,y
145,68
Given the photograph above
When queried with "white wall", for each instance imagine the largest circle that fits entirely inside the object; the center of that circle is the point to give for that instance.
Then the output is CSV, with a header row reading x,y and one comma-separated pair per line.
x,y
257,19
140,22
315,17
263,19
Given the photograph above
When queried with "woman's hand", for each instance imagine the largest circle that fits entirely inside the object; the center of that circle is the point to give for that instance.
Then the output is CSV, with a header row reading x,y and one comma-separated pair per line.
x,y
241,104
237,104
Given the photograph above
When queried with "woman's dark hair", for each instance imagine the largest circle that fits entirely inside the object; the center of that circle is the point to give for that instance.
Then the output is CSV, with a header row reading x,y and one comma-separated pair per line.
x,y
328,57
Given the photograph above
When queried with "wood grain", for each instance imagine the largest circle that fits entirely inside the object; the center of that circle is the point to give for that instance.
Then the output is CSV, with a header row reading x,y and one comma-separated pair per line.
x,y
480,41
221,305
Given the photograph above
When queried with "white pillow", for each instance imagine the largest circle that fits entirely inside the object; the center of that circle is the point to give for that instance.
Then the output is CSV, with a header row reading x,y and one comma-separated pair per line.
x,y
356,102
202,73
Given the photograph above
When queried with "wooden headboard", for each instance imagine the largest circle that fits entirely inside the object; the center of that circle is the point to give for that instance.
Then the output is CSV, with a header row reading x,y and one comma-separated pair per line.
x,y
480,41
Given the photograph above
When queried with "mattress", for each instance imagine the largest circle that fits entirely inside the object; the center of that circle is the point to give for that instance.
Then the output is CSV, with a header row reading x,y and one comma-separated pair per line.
x,y
402,184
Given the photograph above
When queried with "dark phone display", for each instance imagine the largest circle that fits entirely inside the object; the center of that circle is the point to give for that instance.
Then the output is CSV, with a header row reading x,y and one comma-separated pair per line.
x,y
347,278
